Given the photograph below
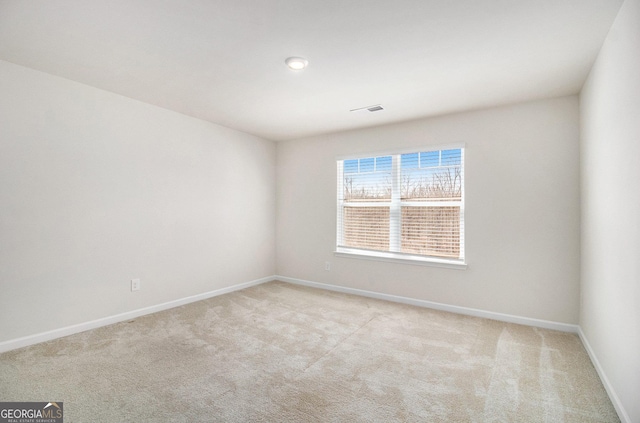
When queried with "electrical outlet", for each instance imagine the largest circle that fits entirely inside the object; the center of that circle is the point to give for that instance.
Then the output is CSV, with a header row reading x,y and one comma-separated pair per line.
x,y
327,265
135,285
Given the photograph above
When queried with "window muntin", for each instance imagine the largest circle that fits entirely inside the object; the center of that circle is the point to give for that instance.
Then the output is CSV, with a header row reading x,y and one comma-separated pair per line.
x,y
403,205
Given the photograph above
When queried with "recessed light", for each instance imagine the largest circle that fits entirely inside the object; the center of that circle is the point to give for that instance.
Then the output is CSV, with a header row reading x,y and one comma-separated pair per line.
x,y
296,63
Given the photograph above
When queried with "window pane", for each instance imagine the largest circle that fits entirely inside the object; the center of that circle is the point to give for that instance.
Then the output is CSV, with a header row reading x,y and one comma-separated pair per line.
x,y
366,227
427,219
430,159
451,157
383,163
366,165
439,177
431,231
370,182
410,161
351,166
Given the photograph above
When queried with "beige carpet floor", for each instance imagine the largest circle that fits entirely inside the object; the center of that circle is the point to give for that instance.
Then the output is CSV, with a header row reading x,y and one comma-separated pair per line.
x,y
284,353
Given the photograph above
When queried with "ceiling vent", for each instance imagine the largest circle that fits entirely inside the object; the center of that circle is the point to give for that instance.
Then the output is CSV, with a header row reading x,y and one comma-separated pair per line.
x,y
374,108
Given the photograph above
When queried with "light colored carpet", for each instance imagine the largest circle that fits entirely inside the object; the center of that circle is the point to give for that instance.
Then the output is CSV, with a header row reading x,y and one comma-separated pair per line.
x,y
284,353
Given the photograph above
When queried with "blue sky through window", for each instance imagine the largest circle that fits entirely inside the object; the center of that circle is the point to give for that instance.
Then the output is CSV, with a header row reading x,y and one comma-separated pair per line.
x,y
451,157
431,174
368,178
368,164
424,174
431,159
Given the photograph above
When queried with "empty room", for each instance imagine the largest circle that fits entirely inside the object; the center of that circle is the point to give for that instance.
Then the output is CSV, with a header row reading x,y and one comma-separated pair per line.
x,y
309,211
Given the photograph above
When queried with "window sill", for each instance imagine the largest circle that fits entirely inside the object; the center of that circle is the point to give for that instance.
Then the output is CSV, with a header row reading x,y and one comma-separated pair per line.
x,y
400,258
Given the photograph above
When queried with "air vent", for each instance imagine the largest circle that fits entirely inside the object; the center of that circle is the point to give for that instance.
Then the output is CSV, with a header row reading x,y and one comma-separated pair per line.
x,y
374,108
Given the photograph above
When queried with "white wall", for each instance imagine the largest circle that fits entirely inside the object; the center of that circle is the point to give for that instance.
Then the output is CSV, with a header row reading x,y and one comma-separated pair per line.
x,y
610,174
96,189
522,211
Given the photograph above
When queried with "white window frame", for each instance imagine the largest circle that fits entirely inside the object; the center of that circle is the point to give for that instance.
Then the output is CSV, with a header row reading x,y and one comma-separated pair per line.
x,y
395,204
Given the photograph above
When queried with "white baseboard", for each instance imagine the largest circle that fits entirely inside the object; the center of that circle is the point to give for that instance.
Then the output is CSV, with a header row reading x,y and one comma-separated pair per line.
x,y
70,330
615,400
564,327
81,327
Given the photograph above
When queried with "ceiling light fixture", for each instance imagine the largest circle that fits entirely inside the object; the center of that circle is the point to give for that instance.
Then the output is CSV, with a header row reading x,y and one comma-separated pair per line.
x,y
296,63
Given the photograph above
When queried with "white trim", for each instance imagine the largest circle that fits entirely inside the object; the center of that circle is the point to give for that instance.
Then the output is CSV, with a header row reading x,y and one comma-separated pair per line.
x,y
394,257
463,193
82,327
546,324
615,400
395,204
527,321
430,203
387,203
339,209
105,321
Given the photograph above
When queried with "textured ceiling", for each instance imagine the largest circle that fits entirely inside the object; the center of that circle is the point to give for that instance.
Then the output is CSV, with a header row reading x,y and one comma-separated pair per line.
x,y
223,60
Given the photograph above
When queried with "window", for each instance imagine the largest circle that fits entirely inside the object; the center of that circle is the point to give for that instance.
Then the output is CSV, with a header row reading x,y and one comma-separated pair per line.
x,y
404,206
